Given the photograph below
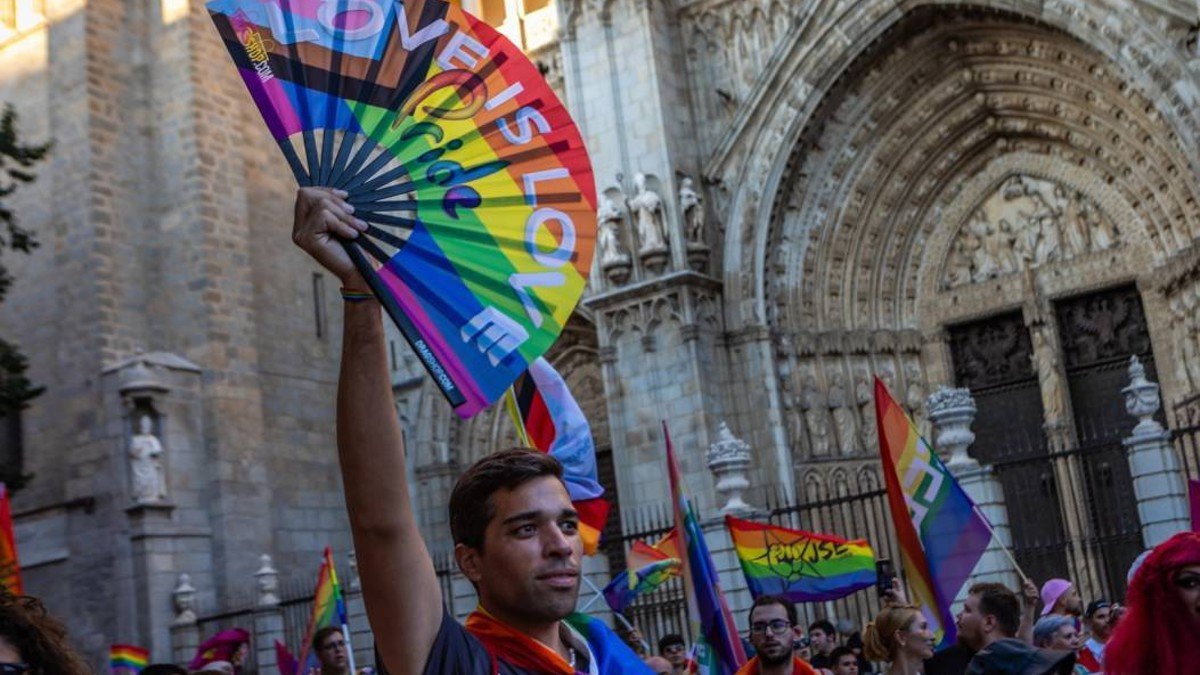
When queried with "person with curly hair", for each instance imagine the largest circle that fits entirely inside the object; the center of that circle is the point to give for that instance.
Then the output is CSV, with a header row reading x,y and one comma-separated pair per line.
x,y
33,642
1160,631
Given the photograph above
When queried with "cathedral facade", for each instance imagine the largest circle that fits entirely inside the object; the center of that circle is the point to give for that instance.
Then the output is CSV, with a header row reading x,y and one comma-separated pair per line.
x,y
795,197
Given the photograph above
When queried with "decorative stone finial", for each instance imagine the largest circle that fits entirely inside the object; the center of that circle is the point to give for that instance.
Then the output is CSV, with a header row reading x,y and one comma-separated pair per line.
x,y
728,459
355,582
952,411
184,599
268,583
1142,399
139,379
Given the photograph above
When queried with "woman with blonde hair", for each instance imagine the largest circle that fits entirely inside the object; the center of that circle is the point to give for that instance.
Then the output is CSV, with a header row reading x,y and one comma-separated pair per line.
x,y
899,635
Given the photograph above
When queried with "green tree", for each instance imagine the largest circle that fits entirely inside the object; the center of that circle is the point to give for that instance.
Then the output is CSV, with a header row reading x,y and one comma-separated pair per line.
x,y
16,168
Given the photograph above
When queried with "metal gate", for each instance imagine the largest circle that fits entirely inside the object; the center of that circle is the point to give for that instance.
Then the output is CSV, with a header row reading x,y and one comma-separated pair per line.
x,y
992,359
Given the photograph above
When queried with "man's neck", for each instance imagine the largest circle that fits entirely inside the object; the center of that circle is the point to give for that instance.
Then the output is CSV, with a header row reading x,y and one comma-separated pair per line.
x,y
784,668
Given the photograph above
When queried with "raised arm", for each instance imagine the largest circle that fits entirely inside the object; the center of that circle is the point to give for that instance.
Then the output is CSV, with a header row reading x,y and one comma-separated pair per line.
x,y
399,584
1029,600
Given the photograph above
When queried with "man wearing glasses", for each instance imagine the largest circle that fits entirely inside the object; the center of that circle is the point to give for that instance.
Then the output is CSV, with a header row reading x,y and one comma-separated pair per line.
x,y
330,646
772,630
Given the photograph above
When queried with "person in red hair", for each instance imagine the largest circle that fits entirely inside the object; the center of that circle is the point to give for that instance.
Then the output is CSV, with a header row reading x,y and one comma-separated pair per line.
x,y
1160,632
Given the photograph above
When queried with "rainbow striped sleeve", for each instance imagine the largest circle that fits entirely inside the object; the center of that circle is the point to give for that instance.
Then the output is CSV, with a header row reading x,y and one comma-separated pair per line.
x,y
801,566
127,658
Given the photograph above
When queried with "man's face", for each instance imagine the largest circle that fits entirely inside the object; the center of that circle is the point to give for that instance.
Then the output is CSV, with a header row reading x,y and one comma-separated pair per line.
x,y
846,665
771,633
1101,624
332,653
822,642
1070,602
527,570
676,655
971,624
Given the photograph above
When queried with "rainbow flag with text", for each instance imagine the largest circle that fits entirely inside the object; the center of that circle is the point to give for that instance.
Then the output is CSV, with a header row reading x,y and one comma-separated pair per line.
x,y
800,566
125,659
10,567
941,534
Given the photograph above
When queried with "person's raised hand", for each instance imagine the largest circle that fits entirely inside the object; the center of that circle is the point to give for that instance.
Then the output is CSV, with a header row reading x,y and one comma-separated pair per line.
x,y
895,595
1029,594
321,215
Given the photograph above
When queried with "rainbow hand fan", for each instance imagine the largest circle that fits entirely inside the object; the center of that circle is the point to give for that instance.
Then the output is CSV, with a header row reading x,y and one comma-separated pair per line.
x,y
470,173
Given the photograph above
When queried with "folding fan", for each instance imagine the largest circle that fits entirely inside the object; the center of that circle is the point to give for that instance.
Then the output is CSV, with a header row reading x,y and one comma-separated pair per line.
x,y
470,173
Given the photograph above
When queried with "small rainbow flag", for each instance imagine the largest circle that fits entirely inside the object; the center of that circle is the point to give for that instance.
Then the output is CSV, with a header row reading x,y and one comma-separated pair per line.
x,y
127,658
328,609
642,554
548,418
10,568
941,534
801,566
625,587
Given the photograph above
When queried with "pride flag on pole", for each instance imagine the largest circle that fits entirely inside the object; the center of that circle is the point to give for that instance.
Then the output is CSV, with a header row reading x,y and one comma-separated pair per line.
x,y
942,535
10,568
328,609
800,566
709,615
642,554
628,585
548,419
125,659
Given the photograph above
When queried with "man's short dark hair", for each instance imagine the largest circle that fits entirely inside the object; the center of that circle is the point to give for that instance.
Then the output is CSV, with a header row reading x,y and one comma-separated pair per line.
x,y
837,654
764,600
471,507
1000,602
823,625
668,640
323,633
164,669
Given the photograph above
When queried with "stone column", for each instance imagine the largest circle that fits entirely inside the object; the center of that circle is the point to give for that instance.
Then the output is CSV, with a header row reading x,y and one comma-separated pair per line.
x,y
1157,479
268,619
951,412
185,634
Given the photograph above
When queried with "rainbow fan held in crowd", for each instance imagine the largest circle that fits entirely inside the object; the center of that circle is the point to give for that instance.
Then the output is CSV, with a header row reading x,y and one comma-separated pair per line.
x,y
127,659
470,173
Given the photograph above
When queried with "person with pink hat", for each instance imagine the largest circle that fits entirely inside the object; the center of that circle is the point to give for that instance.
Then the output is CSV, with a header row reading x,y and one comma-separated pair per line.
x,y
1060,596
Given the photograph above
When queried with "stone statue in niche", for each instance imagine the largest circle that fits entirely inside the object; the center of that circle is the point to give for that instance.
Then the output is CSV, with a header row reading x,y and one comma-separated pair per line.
x,y
145,454
1045,363
815,417
843,417
692,207
1026,223
647,206
609,240
864,395
1186,324
914,393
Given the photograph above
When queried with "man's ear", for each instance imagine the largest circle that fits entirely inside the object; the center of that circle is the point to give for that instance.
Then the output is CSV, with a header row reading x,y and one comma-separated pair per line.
x,y
989,623
469,562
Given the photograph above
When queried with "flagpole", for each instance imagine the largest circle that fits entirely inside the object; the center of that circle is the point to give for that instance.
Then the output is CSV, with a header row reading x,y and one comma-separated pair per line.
x,y
992,530
349,649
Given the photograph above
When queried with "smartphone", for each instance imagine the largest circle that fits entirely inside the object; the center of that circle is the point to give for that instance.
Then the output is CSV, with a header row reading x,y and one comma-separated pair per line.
x,y
885,573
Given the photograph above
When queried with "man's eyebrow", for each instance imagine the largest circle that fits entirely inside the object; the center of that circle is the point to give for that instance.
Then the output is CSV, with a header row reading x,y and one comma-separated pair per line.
x,y
525,516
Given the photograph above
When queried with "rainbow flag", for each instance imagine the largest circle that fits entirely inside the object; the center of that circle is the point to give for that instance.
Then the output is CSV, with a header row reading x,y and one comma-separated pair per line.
x,y
801,566
707,609
328,609
642,554
127,658
626,587
10,567
942,535
548,418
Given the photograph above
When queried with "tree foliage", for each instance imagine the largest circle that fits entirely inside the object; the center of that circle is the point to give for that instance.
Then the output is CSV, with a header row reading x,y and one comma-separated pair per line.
x,y
17,161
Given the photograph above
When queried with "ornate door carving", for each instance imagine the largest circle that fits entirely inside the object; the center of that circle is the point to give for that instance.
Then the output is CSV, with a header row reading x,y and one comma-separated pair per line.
x,y
1099,332
992,358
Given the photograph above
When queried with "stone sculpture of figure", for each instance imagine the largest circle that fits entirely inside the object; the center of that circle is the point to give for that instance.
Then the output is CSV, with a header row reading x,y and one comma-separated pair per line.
x,y
692,208
1104,234
1045,362
914,394
145,453
609,238
864,395
815,417
843,417
648,207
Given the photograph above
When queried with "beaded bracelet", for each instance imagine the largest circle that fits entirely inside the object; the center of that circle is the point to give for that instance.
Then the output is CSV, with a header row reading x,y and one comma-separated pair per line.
x,y
356,296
